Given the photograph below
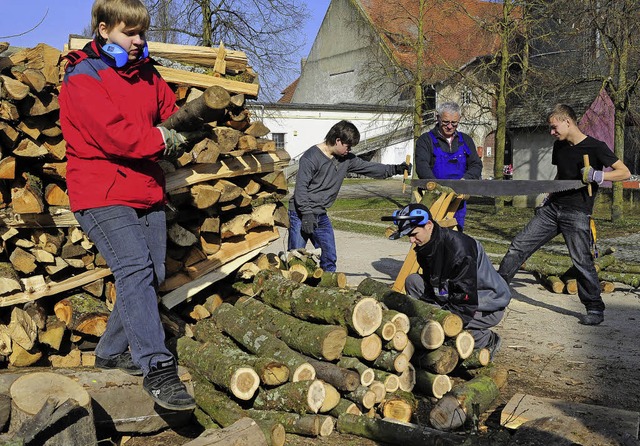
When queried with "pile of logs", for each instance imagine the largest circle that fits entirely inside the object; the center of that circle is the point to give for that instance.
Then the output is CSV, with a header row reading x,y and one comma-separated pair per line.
x,y
559,275
289,348
224,199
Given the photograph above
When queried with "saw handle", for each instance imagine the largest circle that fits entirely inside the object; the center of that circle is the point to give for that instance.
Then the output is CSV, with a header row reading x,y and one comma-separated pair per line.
x,y
585,159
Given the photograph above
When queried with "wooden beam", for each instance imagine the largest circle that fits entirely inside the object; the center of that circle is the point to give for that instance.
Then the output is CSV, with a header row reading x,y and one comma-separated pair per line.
x,y
176,76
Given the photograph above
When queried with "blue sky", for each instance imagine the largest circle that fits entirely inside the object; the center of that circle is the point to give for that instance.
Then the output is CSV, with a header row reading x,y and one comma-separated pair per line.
x,y
64,17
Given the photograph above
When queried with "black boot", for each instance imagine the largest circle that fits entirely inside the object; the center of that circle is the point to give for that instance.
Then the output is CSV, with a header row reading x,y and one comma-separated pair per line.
x,y
166,389
122,362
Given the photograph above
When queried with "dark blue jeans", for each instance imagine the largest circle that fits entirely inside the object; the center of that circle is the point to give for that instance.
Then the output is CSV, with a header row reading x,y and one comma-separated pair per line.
x,y
322,238
134,245
549,221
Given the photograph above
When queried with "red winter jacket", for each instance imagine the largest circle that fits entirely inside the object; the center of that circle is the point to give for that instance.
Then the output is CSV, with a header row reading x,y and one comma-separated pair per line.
x,y
108,118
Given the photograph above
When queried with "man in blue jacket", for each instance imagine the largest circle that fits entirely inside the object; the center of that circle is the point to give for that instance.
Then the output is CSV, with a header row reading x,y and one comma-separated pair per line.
x,y
457,274
321,171
444,153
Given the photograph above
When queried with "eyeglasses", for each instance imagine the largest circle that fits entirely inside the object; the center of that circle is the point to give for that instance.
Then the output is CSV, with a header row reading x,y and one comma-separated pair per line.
x,y
450,123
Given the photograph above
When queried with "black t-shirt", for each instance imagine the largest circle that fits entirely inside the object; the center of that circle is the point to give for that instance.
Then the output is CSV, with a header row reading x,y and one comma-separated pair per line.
x,y
569,161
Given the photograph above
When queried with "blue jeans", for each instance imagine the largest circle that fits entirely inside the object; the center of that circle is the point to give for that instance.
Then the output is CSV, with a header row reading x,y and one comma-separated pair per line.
x,y
322,238
134,245
549,221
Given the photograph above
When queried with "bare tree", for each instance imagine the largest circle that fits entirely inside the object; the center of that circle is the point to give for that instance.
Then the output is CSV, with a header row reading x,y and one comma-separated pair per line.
x,y
269,31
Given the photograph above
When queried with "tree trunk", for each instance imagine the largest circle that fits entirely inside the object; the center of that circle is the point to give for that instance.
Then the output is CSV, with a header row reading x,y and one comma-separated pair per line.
x,y
432,384
453,410
426,332
394,433
270,371
206,108
341,378
243,431
318,341
451,323
260,342
300,397
307,425
366,373
83,313
368,348
361,315
228,373
441,361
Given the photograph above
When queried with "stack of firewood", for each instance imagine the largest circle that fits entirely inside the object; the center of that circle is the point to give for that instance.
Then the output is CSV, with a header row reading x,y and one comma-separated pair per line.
x,y
285,347
224,197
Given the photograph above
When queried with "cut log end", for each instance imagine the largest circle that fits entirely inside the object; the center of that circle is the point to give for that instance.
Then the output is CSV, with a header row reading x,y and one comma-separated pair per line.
x,y
448,414
367,316
316,396
244,383
452,325
432,335
304,372
333,343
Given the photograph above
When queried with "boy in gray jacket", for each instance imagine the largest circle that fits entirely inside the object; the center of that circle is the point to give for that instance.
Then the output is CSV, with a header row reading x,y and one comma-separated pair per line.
x,y
321,171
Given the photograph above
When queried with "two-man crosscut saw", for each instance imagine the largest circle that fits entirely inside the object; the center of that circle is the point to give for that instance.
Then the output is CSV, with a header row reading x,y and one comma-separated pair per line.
x,y
499,188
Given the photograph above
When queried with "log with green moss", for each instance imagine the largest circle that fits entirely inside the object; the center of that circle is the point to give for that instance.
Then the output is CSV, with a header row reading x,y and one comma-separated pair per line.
x,y
400,320
83,313
481,357
394,433
332,280
341,378
391,361
350,309
367,374
362,396
398,405
633,280
426,332
345,406
432,384
451,323
367,348
398,342
293,423
270,371
210,362
456,407
386,330
299,397
315,340
390,380
441,361
260,342
225,412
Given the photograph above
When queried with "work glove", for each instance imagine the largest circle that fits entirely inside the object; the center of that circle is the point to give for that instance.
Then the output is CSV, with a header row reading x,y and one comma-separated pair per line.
x,y
309,223
400,168
590,175
176,142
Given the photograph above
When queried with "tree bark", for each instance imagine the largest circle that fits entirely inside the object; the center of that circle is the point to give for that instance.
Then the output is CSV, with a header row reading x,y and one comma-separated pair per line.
x,y
360,314
341,378
318,341
260,342
426,332
83,313
441,361
228,373
300,397
367,348
451,323
210,106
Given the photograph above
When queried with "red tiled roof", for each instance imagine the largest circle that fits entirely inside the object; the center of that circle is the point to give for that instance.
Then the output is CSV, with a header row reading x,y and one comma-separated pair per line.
x,y
287,93
451,31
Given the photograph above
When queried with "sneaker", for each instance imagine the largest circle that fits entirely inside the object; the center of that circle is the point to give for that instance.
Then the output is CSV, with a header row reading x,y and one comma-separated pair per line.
x,y
122,362
164,386
494,345
592,318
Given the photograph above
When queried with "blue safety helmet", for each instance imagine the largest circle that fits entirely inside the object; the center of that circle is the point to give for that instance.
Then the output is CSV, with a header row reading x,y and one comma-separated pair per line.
x,y
408,218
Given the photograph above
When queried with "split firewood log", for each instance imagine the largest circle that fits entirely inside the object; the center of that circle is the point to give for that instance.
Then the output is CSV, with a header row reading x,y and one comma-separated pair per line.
x,y
229,373
20,357
22,329
83,313
260,342
9,280
315,340
362,315
27,194
451,323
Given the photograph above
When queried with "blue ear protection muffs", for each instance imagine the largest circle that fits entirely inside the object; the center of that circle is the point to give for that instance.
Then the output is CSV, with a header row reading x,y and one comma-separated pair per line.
x,y
115,56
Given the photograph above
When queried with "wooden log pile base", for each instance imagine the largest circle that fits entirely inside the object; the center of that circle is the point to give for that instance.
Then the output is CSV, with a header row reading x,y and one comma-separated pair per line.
x,y
224,199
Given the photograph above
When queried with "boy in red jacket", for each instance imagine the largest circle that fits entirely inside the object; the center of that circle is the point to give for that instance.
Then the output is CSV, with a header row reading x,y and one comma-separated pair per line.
x,y
111,102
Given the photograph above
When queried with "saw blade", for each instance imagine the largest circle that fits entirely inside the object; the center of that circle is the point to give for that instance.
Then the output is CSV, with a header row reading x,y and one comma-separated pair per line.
x,y
498,188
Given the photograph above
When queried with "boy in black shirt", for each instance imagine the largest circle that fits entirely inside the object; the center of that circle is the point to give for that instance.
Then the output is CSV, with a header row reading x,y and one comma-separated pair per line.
x,y
569,212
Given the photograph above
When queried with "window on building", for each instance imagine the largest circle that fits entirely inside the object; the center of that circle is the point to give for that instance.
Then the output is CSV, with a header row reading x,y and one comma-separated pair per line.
x,y
279,139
